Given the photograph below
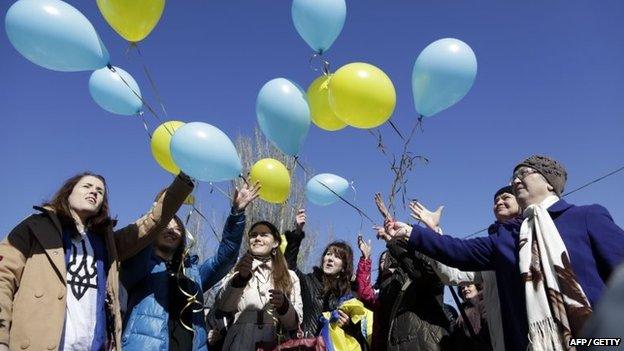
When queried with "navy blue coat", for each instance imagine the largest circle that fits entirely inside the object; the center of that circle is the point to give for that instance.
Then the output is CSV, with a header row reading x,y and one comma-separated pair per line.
x,y
146,280
594,242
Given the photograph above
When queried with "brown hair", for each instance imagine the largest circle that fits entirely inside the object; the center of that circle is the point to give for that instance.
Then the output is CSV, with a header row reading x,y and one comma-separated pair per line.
x,y
281,276
339,284
98,223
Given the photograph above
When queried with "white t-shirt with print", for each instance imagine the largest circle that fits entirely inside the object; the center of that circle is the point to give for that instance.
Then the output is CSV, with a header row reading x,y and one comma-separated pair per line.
x,y
81,311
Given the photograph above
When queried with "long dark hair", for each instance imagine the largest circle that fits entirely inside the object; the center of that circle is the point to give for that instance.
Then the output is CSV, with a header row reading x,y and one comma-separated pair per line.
x,y
340,283
281,276
98,223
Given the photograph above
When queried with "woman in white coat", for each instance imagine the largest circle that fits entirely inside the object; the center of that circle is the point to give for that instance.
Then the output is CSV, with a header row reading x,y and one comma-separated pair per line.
x,y
263,294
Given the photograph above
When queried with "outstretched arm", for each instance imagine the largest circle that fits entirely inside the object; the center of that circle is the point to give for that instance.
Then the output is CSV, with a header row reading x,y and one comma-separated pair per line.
x,y
365,290
294,239
466,254
216,267
135,237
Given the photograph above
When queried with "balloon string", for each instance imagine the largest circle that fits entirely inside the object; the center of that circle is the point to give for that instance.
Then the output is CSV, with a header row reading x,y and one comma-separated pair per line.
x,y
221,191
151,80
400,167
201,215
142,116
324,64
143,101
362,213
396,129
352,185
564,195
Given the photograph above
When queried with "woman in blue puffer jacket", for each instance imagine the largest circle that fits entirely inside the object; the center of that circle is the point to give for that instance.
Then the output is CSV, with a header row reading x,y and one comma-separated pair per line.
x,y
165,285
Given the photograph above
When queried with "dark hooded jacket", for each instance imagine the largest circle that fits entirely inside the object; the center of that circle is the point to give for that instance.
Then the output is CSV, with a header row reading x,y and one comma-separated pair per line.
x,y
409,313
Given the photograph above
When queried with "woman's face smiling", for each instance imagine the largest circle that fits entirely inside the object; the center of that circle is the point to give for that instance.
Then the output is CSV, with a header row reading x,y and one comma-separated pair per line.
x,y
261,241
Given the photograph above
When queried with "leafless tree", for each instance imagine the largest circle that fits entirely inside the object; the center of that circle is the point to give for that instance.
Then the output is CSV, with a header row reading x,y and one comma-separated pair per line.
x,y
251,149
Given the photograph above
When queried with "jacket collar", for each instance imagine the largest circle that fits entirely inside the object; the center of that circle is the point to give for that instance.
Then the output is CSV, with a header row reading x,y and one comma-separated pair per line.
x,y
52,244
510,223
52,216
559,206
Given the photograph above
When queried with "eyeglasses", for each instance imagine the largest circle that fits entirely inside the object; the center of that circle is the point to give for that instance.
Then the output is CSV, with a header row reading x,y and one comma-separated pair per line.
x,y
522,173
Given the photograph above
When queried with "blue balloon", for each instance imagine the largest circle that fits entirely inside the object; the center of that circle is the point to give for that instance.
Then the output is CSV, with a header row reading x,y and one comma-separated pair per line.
x,y
283,114
319,22
443,74
205,153
317,192
54,35
108,89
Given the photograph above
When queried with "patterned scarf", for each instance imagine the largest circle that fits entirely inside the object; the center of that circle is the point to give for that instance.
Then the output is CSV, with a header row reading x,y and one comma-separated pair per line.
x,y
556,305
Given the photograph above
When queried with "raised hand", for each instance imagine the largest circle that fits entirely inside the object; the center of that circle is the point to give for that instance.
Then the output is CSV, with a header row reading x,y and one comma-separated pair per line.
x,y
382,207
300,220
421,213
398,229
365,248
382,234
245,195
244,267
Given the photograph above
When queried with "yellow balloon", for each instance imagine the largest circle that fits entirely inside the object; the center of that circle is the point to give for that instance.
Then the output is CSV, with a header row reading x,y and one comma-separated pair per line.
x,y
361,95
161,139
274,179
132,19
318,100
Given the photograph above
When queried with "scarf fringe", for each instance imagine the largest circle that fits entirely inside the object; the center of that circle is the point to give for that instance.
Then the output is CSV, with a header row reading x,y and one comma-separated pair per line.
x,y
544,336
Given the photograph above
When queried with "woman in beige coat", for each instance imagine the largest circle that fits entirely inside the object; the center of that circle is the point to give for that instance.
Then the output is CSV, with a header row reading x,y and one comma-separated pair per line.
x,y
262,292
59,268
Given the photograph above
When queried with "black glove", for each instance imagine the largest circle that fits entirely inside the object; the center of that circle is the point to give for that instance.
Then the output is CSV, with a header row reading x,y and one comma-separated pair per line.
x,y
244,271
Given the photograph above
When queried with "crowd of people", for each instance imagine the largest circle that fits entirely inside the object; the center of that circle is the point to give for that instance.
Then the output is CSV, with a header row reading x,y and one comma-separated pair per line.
x,y
532,283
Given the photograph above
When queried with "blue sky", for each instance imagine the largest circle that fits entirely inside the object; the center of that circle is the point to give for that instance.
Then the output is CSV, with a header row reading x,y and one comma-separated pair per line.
x,y
550,81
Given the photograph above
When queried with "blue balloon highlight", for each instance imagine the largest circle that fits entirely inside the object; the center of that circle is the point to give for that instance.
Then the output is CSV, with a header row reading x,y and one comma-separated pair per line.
x,y
54,35
317,190
108,90
205,153
443,74
319,22
283,114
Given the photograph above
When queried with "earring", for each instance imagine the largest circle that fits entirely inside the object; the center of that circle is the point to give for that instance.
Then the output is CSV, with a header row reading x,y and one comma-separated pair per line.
x,y
274,252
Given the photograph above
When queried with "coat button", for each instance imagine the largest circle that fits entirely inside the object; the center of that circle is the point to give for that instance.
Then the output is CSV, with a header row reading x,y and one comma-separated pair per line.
x,y
25,344
51,347
60,295
56,252
38,294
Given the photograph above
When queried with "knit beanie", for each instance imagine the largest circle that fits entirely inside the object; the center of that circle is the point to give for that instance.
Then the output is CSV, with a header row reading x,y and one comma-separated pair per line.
x,y
551,169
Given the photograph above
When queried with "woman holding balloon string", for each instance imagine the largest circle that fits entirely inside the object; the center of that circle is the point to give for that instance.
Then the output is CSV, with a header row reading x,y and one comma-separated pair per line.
x,y
262,292
59,269
328,303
